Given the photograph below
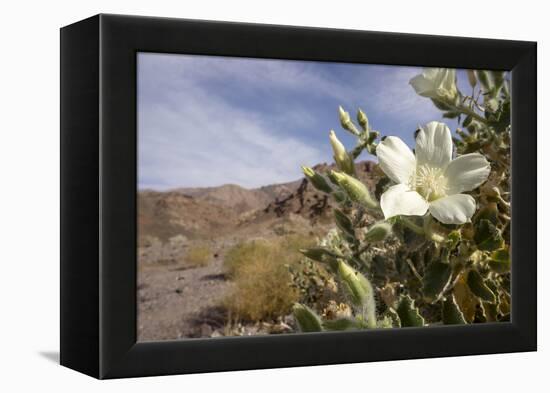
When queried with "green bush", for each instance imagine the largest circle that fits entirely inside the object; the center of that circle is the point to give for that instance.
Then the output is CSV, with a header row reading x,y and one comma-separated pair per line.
x,y
262,280
197,256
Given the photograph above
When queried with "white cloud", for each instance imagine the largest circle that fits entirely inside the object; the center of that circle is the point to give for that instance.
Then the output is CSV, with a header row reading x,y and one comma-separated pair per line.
x,y
198,140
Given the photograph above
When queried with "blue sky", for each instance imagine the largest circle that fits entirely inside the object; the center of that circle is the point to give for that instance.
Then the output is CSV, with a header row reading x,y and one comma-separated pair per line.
x,y
207,121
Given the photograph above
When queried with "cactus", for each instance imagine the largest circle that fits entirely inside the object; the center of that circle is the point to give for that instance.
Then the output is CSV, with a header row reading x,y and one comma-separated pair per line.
x,y
431,266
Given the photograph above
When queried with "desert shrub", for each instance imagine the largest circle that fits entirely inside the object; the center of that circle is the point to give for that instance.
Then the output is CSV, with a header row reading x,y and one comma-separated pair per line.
x,y
197,256
315,285
242,254
260,270
439,252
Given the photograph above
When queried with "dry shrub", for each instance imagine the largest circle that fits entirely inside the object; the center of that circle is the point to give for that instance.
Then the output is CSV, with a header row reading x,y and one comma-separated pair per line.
x,y
197,256
259,268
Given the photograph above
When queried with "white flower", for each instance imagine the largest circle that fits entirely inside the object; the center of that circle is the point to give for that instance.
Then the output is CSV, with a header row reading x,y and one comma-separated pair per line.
x,y
437,83
432,181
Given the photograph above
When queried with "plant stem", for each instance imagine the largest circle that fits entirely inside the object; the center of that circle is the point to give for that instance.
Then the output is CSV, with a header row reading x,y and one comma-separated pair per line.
x,y
412,226
430,234
471,112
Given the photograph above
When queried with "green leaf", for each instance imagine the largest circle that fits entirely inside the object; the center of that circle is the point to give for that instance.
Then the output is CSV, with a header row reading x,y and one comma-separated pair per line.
x,y
343,222
485,79
490,311
322,255
306,318
441,105
453,239
451,114
408,313
392,315
479,288
487,236
379,266
385,322
498,80
451,314
341,324
436,277
489,212
500,261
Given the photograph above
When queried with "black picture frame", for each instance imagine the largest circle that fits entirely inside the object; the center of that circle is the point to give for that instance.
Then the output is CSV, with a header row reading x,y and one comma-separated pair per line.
x,y
98,195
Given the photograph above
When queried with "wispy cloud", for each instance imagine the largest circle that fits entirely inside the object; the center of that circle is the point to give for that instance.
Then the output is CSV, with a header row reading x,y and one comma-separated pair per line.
x,y
207,121
193,138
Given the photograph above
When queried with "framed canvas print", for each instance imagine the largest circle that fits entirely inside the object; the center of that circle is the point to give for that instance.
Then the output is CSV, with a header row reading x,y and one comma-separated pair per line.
x,y
239,196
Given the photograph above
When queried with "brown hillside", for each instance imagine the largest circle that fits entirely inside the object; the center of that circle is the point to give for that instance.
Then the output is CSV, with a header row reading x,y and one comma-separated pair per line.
x,y
217,211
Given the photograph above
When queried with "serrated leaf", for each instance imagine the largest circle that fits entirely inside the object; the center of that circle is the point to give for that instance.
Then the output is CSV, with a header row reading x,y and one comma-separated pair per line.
x,y
408,313
451,314
391,313
490,311
341,324
504,303
487,236
465,299
500,261
385,322
479,288
306,318
436,277
504,318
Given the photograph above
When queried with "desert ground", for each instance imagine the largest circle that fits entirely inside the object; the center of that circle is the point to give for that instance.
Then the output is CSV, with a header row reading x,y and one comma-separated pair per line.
x,y
185,235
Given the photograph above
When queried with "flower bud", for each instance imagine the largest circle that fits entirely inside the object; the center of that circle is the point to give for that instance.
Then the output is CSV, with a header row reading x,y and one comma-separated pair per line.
x,y
346,122
341,157
318,181
378,232
485,80
355,189
322,255
471,78
363,121
360,291
307,319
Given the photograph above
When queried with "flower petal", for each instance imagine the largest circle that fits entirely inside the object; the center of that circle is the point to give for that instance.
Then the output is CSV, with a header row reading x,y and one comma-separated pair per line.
x,y
453,209
449,80
396,159
434,145
466,172
400,200
422,86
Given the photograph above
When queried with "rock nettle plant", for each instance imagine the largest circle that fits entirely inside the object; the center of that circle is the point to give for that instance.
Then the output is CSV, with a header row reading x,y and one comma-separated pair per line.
x,y
431,244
